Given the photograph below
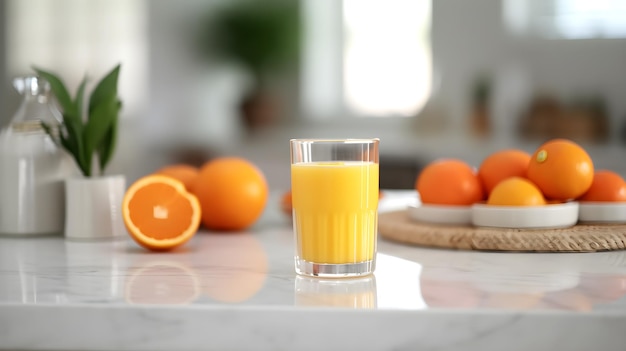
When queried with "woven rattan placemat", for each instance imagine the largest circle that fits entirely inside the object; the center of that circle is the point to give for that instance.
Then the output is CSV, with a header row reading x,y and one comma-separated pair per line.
x,y
397,226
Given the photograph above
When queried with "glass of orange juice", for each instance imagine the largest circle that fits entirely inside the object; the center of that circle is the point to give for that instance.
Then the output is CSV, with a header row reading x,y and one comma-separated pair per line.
x,y
334,185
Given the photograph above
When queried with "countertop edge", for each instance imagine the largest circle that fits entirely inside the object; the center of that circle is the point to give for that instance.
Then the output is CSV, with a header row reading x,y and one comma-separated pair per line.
x,y
268,328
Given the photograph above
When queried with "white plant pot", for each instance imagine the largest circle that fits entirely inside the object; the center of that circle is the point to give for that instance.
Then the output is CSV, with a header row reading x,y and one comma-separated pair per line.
x,y
94,207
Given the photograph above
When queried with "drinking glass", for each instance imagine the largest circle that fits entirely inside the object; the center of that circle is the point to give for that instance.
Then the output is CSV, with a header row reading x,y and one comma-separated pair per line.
x,y
334,184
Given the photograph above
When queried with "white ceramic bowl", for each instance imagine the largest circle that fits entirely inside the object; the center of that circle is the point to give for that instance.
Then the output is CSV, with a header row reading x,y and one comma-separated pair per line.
x,y
441,214
547,216
602,212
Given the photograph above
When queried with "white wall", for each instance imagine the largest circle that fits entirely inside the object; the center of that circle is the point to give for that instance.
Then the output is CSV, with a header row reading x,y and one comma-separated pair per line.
x,y
192,101
469,37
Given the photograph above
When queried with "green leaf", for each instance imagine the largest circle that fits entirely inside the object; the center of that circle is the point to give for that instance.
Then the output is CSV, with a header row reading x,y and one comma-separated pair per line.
x,y
107,147
98,124
48,131
105,90
95,135
75,145
78,102
66,144
59,90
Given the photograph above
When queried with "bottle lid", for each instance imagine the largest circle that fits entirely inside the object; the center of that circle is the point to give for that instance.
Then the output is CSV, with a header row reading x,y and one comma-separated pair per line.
x,y
36,107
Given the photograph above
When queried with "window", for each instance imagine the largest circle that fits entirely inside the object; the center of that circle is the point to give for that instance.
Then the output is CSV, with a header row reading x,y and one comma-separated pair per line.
x,y
74,38
366,57
567,19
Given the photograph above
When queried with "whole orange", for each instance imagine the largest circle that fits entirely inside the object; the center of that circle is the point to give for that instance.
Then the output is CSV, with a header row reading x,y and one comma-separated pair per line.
x,y
501,165
185,173
232,192
516,191
561,169
286,204
449,182
606,186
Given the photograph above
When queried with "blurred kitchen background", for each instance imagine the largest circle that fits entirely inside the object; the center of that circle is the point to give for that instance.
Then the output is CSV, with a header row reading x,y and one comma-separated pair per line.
x,y
447,78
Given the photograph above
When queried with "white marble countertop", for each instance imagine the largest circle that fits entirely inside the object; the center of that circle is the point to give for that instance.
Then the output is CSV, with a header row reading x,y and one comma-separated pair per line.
x,y
239,291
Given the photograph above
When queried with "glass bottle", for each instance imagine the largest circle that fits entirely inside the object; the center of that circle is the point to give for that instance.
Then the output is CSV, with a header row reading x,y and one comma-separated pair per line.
x,y
32,167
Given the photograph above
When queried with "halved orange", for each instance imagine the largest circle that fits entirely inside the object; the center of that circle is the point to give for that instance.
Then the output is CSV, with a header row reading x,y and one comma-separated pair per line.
x,y
160,213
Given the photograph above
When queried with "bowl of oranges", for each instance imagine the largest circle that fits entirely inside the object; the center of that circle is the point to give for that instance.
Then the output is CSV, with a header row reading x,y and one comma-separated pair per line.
x,y
554,187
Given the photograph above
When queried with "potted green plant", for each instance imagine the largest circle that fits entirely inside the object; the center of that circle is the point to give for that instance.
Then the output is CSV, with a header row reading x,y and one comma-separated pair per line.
x,y
88,132
264,38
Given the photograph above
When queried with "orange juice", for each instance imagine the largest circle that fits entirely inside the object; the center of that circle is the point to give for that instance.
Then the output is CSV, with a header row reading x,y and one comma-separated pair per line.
x,y
335,211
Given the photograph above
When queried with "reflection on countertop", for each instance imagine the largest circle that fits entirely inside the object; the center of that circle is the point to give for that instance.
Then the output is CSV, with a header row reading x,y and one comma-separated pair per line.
x,y
256,268
244,283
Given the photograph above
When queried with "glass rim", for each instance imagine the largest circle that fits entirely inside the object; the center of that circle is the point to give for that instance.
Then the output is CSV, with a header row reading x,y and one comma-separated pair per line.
x,y
337,140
